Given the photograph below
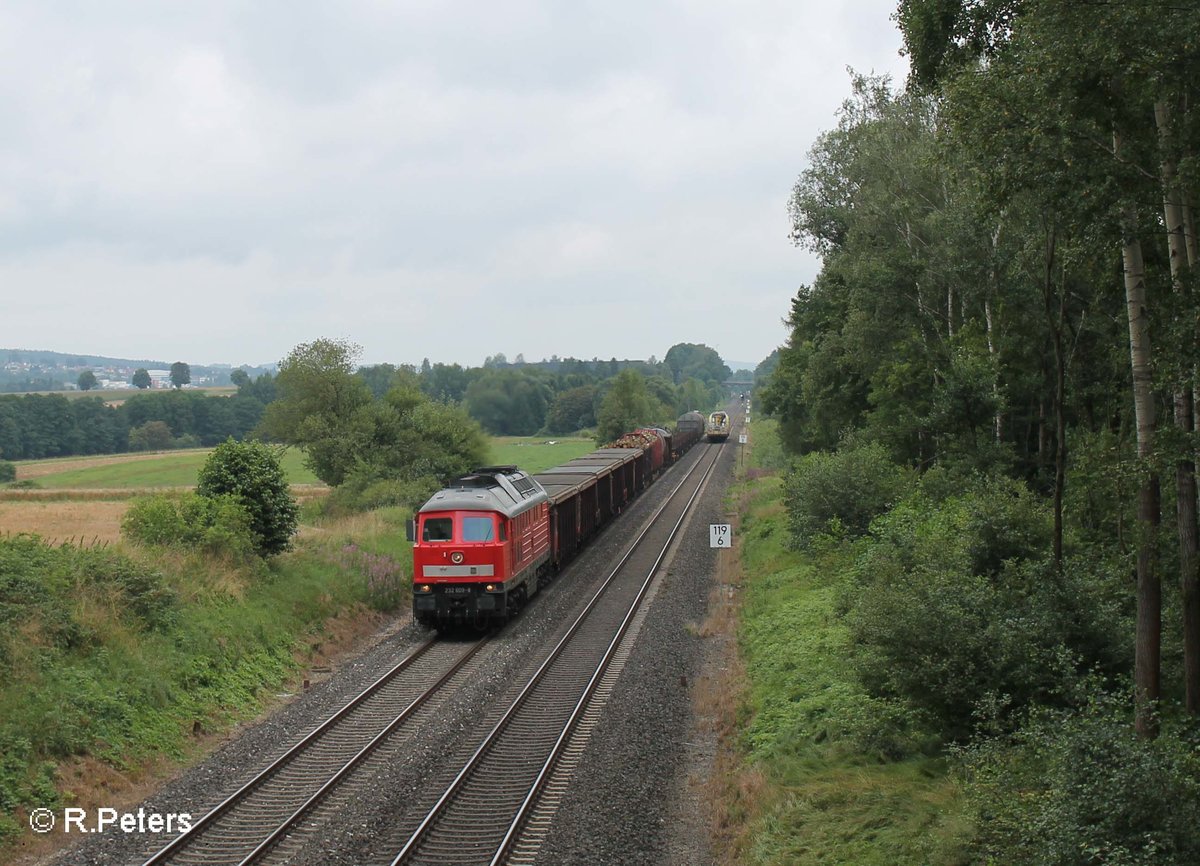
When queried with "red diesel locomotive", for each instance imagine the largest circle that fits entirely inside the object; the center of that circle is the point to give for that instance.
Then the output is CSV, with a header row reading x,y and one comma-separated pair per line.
x,y
484,545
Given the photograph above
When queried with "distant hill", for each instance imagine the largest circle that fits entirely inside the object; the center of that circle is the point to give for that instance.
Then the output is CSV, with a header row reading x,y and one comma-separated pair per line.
x,y
47,358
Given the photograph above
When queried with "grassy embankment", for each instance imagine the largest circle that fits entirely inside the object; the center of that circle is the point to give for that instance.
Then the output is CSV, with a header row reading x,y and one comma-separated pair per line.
x,y
807,791
117,664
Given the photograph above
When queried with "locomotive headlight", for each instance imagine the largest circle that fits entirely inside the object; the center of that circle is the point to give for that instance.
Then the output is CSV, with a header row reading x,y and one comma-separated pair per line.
x,y
456,557
424,587
491,587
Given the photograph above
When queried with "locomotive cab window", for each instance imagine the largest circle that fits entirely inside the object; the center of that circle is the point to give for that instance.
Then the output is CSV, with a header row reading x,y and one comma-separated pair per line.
x,y
477,529
437,529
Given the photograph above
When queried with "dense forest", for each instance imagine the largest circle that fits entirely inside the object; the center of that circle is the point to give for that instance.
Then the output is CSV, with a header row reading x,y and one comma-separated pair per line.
x,y
992,382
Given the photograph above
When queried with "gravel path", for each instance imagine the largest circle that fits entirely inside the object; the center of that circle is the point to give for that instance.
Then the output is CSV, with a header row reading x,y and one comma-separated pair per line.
x,y
631,801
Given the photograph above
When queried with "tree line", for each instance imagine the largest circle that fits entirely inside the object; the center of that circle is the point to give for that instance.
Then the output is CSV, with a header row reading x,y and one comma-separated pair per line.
x,y
35,426
1007,307
554,397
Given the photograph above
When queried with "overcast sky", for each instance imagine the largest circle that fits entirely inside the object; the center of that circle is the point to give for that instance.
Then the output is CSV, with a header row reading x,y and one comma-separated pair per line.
x,y
219,181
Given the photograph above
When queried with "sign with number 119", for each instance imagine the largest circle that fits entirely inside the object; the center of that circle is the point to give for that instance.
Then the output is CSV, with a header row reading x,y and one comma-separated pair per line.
x,y
720,535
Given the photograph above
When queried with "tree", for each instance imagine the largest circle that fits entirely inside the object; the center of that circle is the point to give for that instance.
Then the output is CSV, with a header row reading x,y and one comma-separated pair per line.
x,y
240,378
571,411
509,402
626,406
141,379
151,436
696,360
181,374
87,380
317,399
251,472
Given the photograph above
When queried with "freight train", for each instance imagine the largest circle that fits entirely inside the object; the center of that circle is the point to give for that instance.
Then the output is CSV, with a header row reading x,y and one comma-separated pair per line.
x,y
485,544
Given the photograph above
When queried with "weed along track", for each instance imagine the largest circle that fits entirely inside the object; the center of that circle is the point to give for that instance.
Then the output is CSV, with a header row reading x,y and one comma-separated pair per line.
x,y
290,791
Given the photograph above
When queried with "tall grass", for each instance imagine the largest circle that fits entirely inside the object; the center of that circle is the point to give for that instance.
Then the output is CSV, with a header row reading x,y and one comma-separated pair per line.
x,y
125,657
822,793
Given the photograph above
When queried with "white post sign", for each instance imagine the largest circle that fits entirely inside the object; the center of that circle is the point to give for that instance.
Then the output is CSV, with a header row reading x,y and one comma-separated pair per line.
x,y
741,438
720,535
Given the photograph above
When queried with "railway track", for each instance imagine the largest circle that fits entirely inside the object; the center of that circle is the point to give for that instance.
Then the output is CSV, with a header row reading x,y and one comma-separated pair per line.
x,y
258,816
481,815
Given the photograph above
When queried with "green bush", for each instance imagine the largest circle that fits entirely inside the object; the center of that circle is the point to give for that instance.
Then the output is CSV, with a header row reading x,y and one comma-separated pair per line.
x,y
219,525
364,490
840,493
8,471
955,610
250,472
1080,788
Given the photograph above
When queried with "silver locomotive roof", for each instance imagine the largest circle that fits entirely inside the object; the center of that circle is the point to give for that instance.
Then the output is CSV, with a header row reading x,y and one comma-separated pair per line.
x,y
506,489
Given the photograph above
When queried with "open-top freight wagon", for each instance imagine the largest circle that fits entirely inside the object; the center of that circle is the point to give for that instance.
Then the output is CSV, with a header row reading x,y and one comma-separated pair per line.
x,y
485,544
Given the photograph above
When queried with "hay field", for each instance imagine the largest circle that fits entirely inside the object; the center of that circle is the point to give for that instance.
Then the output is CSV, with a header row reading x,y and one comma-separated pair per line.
x,y
86,522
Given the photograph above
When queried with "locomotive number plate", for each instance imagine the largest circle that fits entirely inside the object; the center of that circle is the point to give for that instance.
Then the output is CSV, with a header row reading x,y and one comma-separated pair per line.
x,y
456,589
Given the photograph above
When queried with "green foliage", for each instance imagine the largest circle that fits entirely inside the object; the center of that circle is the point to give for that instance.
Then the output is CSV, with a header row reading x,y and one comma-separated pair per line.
x,y
8,471
151,436
345,432
217,525
250,472
696,361
840,493
365,490
318,397
846,778
571,410
181,374
766,447
102,655
627,405
141,379
87,381
1079,788
508,402
957,613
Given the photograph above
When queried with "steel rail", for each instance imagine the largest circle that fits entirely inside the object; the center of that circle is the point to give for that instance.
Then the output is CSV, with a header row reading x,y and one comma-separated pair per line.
x,y
196,832
511,836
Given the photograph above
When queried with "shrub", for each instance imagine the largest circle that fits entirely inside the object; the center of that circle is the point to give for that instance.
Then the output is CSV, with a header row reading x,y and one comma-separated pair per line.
x,y
8,471
1080,788
842,492
364,490
151,436
250,472
218,525
955,610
